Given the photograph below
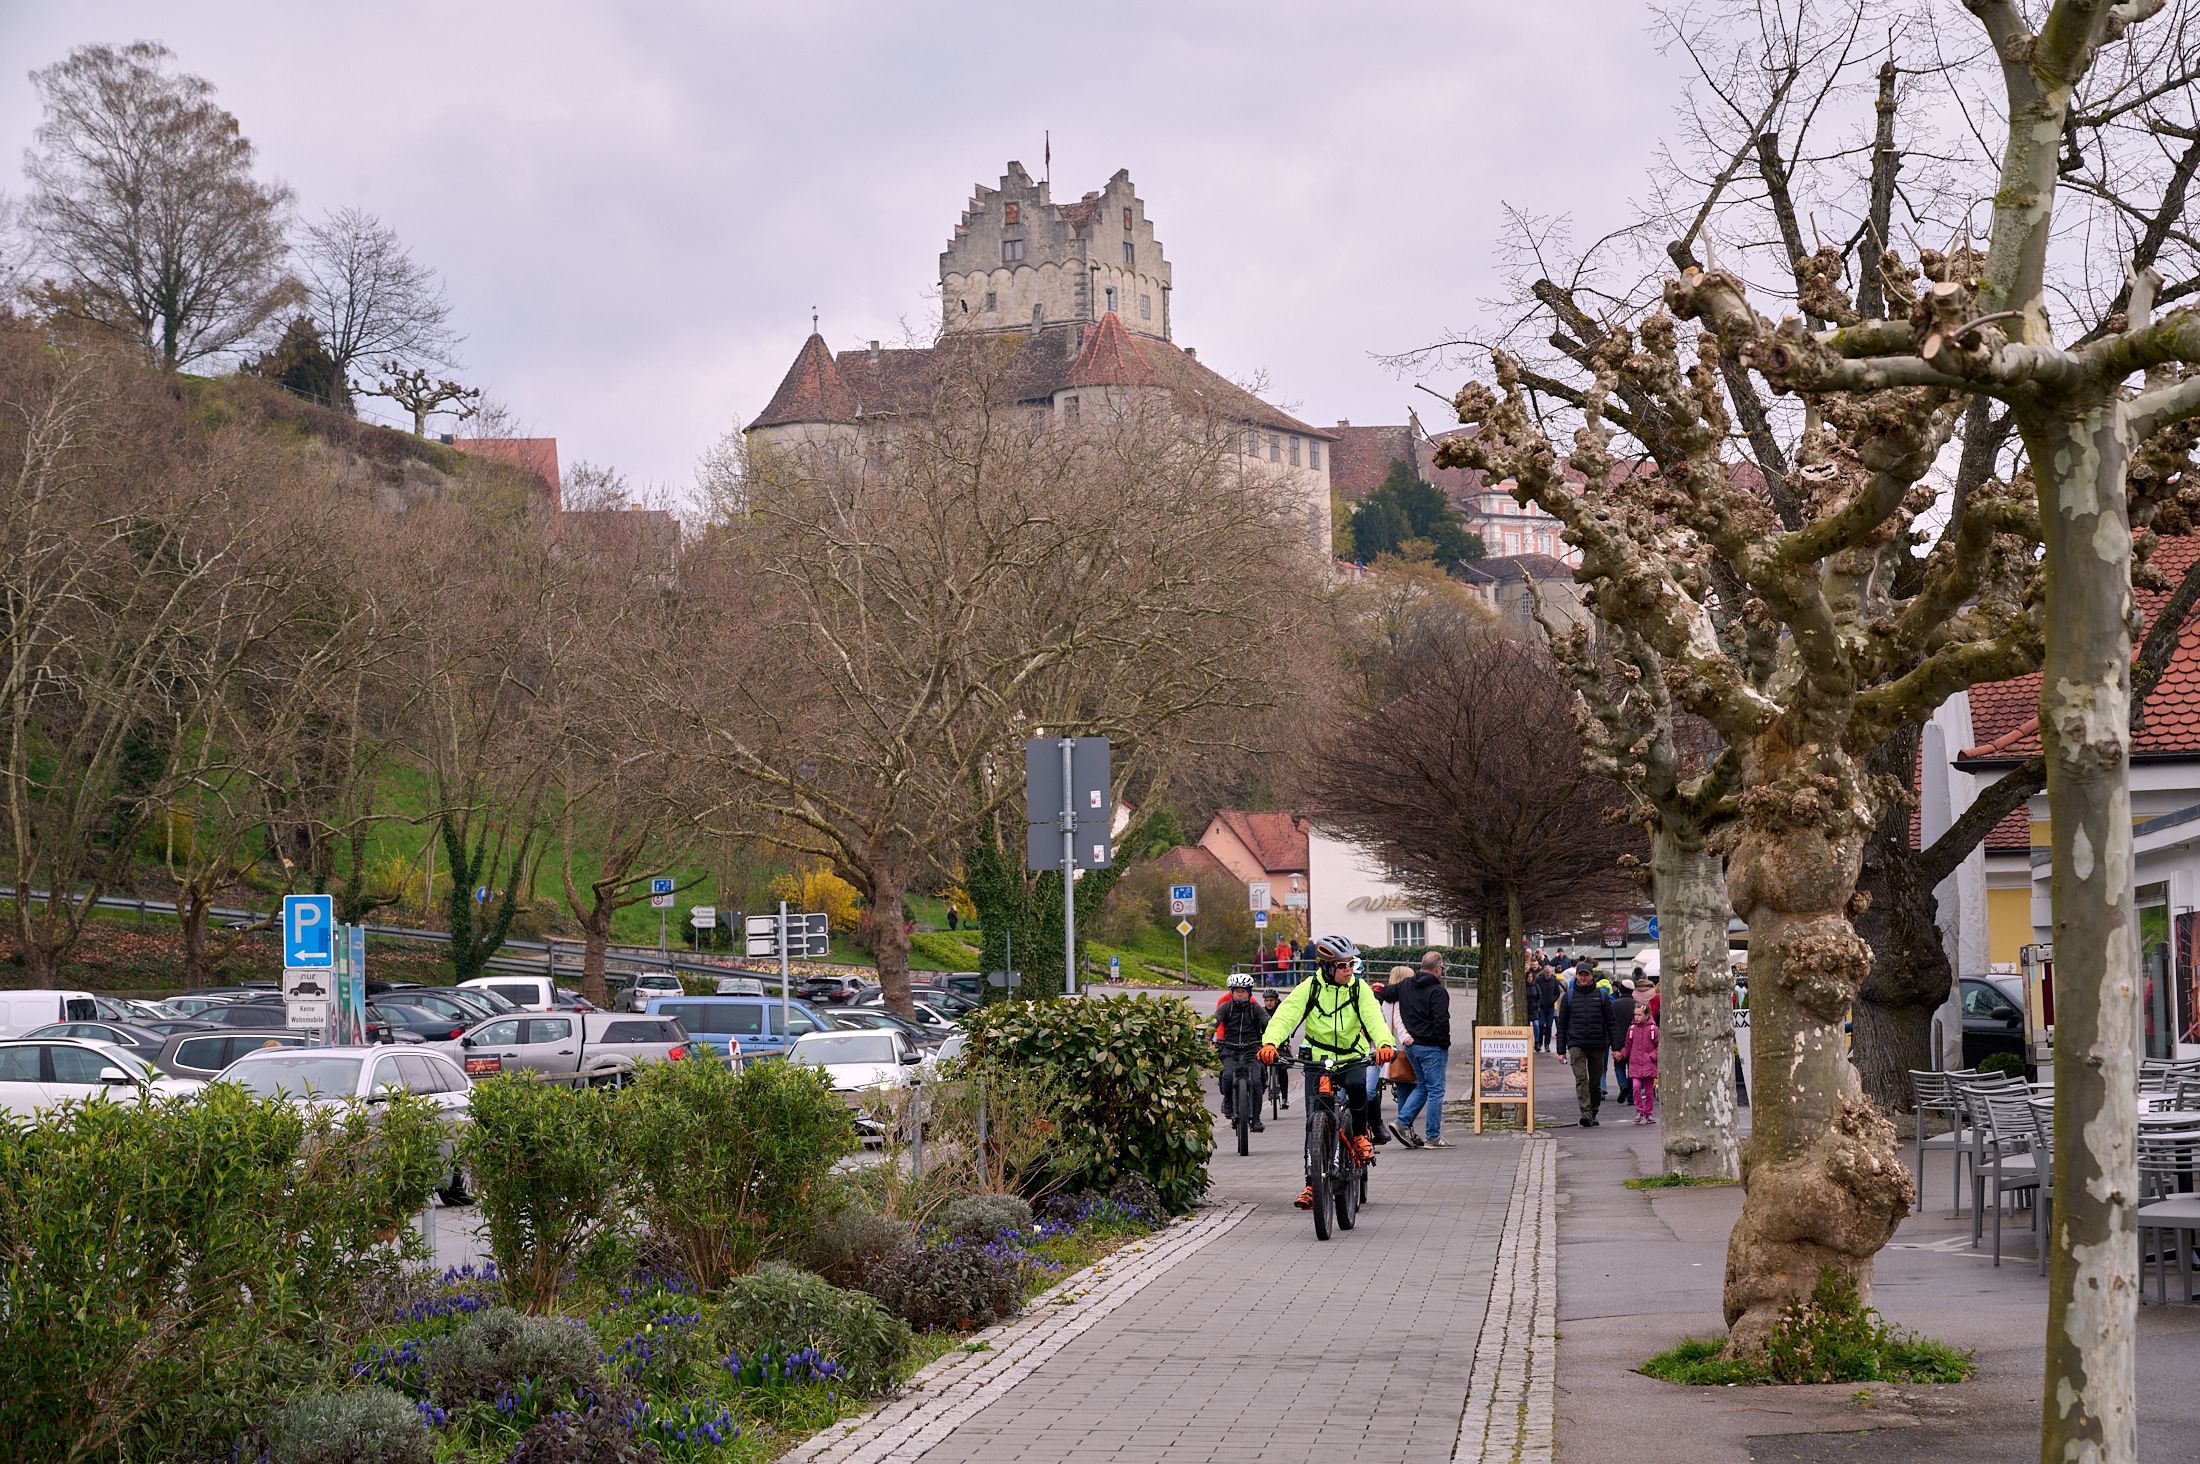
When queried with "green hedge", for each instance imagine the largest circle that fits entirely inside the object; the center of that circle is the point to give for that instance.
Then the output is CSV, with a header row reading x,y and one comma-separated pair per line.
x,y
1126,1072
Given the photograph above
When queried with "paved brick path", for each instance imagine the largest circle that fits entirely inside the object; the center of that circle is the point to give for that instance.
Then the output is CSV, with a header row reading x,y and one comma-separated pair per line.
x,y
1239,1337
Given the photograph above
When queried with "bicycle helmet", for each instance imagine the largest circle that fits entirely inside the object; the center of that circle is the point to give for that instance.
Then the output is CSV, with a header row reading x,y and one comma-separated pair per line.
x,y
1240,978
1332,948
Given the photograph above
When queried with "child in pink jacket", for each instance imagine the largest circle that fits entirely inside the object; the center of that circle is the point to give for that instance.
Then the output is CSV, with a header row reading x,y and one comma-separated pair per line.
x,y
1640,1052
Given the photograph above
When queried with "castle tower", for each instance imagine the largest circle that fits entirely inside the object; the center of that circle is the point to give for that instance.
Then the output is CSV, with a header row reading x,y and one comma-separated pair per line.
x,y
1019,260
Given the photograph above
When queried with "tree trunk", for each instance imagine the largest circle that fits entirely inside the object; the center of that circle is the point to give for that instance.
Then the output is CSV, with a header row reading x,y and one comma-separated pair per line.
x,y
2085,702
1516,958
595,935
881,929
1695,1008
1910,974
1824,1184
191,915
1489,980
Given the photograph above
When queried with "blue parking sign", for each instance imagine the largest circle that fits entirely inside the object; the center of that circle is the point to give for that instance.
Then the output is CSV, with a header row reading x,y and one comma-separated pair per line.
x,y
309,930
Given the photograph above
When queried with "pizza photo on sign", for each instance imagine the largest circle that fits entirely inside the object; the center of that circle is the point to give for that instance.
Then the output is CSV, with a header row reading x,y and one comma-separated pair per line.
x,y
1503,1077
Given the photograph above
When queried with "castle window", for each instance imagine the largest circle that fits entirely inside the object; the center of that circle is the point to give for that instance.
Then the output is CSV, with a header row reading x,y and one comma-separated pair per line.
x,y
1012,250
1313,454
1111,299
1126,215
1130,253
992,300
1010,213
1038,315
1069,408
1275,447
1145,307
1252,443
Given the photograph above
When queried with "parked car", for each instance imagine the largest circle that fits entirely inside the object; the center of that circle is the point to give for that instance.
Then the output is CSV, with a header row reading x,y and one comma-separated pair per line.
x,y
1993,1018
264,1014
364,1075
856,1062
203,1054
739,986
42,1073
878,1019
590,1047
740,1026
831,990
22,1010
528,993
951,1049
198,1005
142,1043
952,1003
417,1023
170,1026
645,985
464,1008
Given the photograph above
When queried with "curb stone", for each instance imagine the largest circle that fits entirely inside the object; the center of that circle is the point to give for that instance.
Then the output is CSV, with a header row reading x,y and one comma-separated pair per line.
x,y
957,1386
1510,1415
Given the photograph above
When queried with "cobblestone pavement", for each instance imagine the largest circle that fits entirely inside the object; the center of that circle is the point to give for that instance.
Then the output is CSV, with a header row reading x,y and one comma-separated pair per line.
x,y
1239,1337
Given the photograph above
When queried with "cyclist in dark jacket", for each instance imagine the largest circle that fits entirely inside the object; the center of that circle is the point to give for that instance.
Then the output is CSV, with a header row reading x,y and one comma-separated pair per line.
x,y
1239,1022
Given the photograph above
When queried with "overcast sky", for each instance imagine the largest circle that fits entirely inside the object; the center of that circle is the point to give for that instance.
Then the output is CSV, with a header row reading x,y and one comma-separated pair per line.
x,y
635,206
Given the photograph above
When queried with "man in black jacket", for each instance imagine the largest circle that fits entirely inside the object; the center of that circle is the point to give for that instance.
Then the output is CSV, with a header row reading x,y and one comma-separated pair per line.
x,y
1586,1036
1424,1010
1543,994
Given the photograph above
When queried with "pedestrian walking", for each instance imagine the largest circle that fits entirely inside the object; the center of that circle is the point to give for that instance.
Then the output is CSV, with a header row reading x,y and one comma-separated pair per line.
x,y
1543,994
1424,1011
1640,1054
1623,1017
1585,1034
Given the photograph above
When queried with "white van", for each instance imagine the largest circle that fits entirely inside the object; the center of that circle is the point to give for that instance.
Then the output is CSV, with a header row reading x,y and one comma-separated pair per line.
x,y
22,1010
535,993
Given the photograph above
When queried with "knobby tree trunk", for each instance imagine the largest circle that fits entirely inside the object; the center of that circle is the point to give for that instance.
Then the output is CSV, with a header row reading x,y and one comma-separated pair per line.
x,y
1695,1008
1910,975
595,935
1489,976
191,911
1824,1184
2085,697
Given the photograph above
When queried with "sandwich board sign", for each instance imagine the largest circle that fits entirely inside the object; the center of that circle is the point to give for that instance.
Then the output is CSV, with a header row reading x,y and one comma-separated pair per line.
x,y
1504,1071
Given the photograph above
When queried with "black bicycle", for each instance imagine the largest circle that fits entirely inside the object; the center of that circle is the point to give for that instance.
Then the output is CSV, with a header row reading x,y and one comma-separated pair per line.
x,y
1333,1168
1244,1107
1278,1096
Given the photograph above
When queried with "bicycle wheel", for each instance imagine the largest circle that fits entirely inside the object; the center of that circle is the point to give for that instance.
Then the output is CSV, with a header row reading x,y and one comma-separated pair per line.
x,y
1275,1094
1350,1174
1242,1106
1321,1143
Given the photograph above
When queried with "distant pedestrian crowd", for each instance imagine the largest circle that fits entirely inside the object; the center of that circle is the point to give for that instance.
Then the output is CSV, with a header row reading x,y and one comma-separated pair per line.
x,y
1601,1025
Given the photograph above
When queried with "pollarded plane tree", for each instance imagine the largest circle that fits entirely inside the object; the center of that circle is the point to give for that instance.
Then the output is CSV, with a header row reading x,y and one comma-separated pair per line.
x,y
1822,658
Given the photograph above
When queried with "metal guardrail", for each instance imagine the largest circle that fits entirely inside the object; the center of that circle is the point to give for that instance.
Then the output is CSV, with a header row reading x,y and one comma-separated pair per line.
x,y
553,959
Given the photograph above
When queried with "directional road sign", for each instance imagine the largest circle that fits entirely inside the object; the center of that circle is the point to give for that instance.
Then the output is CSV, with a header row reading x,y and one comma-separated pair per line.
x,y
309,931
1091,808
704,917
762,936
1183,899
1256,894
660,892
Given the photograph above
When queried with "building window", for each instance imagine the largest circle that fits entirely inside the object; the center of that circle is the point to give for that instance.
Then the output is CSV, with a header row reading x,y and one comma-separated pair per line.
x,y
1462,933
1252,443
1408,932
1111,299
1145,307
1011,214
1126,216
1314,455
1038,315
1275,447
1012,250
1069,408
1130,253
1294,452
992,300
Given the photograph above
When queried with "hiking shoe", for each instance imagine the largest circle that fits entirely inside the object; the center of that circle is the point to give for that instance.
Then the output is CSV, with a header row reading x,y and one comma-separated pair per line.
x,y
1439,1144
1364,1146
1404,1135
1259,1127
1305,1201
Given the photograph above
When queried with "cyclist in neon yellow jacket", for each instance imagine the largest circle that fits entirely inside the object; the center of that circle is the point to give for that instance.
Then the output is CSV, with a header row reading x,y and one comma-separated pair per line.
x,y
1343,1024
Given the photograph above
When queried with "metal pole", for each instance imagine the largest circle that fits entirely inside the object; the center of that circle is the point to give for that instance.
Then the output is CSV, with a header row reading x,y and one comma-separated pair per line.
x,y
782,970
1069,874
661,932
1187,957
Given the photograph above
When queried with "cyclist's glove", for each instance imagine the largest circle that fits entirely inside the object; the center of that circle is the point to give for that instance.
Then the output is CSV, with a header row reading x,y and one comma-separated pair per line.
x,y
1267,1053
1385,1053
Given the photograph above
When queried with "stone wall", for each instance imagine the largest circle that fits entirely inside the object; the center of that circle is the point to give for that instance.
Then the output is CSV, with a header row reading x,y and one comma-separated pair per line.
x,y
1073,255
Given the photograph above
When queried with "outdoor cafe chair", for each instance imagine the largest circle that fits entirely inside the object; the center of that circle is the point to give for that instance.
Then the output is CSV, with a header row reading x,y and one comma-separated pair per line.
x,y
2168,1159
2042,1106
2007,1160
1971,1089
1935,1093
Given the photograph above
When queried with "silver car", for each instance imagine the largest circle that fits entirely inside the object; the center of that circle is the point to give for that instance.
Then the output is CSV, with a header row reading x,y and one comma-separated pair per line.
x,y
364,1075
47,1072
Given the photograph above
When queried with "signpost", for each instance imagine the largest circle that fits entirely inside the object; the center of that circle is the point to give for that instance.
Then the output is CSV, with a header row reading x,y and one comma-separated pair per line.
x,y
1115,970
1069,822
1504,1071
1183,899
1184,929
660,896
1615,932
309,960
809,936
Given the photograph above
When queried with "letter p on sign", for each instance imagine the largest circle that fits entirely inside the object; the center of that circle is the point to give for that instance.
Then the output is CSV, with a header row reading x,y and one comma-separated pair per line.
x,y
309,926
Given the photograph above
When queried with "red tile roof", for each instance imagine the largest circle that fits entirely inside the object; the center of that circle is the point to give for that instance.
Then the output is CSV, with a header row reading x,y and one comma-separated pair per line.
x,y
1277,840
813,389
2005,714
821,387
537,455
1191,859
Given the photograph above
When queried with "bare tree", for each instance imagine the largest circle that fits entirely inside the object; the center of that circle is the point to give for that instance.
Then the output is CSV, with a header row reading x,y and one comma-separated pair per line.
x,y
423,395
369,297
143,201
899,613
1463,771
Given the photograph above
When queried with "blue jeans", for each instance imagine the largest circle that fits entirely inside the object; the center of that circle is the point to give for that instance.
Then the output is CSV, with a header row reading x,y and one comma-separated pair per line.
x,y
1540,1023
1428,1088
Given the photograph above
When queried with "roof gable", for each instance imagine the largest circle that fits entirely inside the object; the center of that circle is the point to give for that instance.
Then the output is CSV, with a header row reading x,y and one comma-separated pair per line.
x,y
813,390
